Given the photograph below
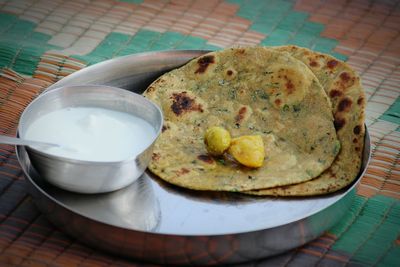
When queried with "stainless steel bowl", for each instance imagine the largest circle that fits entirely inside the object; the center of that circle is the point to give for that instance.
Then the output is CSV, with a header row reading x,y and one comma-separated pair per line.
x,y
90,176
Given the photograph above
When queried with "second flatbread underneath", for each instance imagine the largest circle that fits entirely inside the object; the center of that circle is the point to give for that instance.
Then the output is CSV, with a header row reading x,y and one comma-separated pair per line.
x,y
343,86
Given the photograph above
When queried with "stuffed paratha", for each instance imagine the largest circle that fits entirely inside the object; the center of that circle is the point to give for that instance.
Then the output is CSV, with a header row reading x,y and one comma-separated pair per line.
x,y
343,86
248,91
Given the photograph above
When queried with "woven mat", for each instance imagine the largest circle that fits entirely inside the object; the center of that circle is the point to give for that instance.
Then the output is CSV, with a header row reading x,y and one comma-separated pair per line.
x,y
43,41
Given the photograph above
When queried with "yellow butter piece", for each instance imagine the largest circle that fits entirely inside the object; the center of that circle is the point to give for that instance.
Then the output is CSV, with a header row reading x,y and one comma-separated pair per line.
x,y
248,150
217,140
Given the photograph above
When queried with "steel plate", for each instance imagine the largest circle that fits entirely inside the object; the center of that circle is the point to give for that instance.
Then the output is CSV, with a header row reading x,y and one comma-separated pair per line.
x,y
157,222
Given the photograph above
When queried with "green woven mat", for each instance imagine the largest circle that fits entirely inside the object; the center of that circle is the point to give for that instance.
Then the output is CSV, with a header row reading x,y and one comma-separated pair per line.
x,y
44,41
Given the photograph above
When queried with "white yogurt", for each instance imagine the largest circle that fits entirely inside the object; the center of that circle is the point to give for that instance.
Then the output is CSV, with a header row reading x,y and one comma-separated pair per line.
x,y
93,134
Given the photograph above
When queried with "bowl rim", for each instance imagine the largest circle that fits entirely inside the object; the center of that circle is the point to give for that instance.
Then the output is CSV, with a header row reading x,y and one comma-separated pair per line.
x,y
91,162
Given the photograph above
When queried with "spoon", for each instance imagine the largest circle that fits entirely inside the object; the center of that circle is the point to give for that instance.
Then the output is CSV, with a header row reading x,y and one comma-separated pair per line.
x,y
22,142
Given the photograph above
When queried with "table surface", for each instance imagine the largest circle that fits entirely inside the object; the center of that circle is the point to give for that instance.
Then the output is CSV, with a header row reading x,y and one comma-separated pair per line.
x,y
43,41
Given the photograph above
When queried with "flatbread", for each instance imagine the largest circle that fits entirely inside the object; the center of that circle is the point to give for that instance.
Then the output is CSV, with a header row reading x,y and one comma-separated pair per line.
x,y
343,86
248,91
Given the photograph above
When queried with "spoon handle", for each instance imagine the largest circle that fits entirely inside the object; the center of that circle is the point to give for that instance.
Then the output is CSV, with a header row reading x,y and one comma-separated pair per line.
x,y
17,141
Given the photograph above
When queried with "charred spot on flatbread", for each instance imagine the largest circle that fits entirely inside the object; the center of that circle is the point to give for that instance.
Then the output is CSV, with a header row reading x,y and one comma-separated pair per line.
x,y
345,80
289,86
150,89
182,171
345,77
314,63
239,51
155,156
339,122
203,63
206,158
230,74
164,128
357,129
240,116
182,103
278,102
344,105
335,93
332,63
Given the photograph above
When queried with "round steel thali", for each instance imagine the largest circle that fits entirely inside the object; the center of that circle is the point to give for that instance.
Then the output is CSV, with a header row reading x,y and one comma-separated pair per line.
x,y
153,221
